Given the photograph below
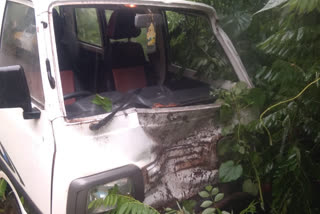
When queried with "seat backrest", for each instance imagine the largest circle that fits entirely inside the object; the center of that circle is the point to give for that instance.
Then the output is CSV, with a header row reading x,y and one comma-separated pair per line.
x,y
127,58
67,82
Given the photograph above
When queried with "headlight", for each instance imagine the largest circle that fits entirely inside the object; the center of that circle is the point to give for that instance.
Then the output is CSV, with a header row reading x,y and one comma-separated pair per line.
x,y
83,191
124,186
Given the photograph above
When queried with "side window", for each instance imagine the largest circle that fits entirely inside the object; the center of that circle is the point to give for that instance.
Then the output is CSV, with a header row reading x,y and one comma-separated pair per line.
x,y
19,45
88,29
193,46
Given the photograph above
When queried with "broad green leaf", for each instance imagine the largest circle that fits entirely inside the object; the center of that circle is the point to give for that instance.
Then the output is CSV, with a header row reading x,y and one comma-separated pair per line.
x,y
170,211
236,23
250,187
204,194
286,124
208,188
228,171
225,212
256,97
209,210
104,102
215,191
206,204
219,197
189,205
271,4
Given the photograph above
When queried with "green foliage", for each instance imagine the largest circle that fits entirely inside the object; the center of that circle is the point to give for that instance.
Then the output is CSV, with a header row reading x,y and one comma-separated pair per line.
x,y
250,187
88,29
187,208
193,45
211,196
104,102
3,188
228,172
304,7
120,204
206,204
250,209
272,4
210,210
289,43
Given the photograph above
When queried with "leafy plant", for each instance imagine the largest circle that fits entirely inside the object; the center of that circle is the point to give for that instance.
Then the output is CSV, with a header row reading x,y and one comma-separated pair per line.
x,y
279,151
228,171
186,208
194,46
120,204
211,196
3,188
104,102
250,209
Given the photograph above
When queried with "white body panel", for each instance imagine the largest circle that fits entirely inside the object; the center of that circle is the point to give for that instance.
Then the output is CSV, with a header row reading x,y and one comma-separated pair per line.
x,y
81,152
30,145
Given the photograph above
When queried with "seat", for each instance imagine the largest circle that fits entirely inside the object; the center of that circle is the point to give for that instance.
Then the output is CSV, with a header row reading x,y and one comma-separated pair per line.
x,y
127,58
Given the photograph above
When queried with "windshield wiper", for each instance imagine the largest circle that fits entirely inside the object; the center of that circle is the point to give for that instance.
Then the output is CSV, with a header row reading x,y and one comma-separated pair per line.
x,y
125,101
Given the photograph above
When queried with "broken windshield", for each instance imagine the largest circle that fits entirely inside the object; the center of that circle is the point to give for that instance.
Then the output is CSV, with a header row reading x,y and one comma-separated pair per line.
x,y
171,55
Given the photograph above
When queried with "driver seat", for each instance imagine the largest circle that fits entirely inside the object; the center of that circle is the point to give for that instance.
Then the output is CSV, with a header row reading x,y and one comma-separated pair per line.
x,y
127,58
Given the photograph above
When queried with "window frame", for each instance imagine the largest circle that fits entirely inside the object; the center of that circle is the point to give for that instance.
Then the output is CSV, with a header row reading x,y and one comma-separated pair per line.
x,y
87,45
191,72
182,12
40,104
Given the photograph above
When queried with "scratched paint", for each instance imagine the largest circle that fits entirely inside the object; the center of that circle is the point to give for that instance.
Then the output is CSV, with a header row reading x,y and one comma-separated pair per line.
x,y
185,151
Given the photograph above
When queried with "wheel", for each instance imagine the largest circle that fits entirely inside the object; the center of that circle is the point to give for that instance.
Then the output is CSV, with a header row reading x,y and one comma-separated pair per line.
x,y
11,205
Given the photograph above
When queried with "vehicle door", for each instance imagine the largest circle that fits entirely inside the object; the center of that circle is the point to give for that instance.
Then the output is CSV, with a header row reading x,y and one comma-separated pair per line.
x,y
26,145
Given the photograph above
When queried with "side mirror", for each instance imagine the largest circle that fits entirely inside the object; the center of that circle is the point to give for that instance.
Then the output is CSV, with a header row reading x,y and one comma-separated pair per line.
x,y
14,91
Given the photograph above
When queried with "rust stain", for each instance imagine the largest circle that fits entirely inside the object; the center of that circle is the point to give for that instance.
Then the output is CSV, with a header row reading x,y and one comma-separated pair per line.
x,y
185,155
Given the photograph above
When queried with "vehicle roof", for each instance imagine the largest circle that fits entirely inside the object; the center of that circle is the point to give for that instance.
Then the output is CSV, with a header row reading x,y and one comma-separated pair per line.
x,y
43,5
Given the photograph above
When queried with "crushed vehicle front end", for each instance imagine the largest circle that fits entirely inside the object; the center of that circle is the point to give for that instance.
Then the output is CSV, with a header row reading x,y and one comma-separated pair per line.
x,y
138,112
166,154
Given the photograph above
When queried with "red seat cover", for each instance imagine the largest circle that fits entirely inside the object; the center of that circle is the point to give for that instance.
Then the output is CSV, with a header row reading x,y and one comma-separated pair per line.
x,y
67,81
126,79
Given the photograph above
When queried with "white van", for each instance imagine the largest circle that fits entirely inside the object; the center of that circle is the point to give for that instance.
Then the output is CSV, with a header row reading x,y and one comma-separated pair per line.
x,y
95,93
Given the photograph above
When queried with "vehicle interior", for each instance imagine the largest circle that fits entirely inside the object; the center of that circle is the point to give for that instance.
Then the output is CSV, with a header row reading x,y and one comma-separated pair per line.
x,y
136,56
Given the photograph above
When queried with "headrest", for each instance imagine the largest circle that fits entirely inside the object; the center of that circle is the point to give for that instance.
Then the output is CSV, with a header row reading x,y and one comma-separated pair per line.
x,y
121,25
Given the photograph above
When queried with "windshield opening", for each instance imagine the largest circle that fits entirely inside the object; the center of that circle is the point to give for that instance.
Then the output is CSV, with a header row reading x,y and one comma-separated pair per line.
x,y
163,57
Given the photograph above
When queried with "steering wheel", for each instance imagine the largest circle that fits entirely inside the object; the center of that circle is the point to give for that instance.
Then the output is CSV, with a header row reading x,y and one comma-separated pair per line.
x,y
76,94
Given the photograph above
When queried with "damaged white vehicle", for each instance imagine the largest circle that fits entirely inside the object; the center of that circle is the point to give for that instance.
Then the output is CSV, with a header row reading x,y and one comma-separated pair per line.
x,y
101,93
